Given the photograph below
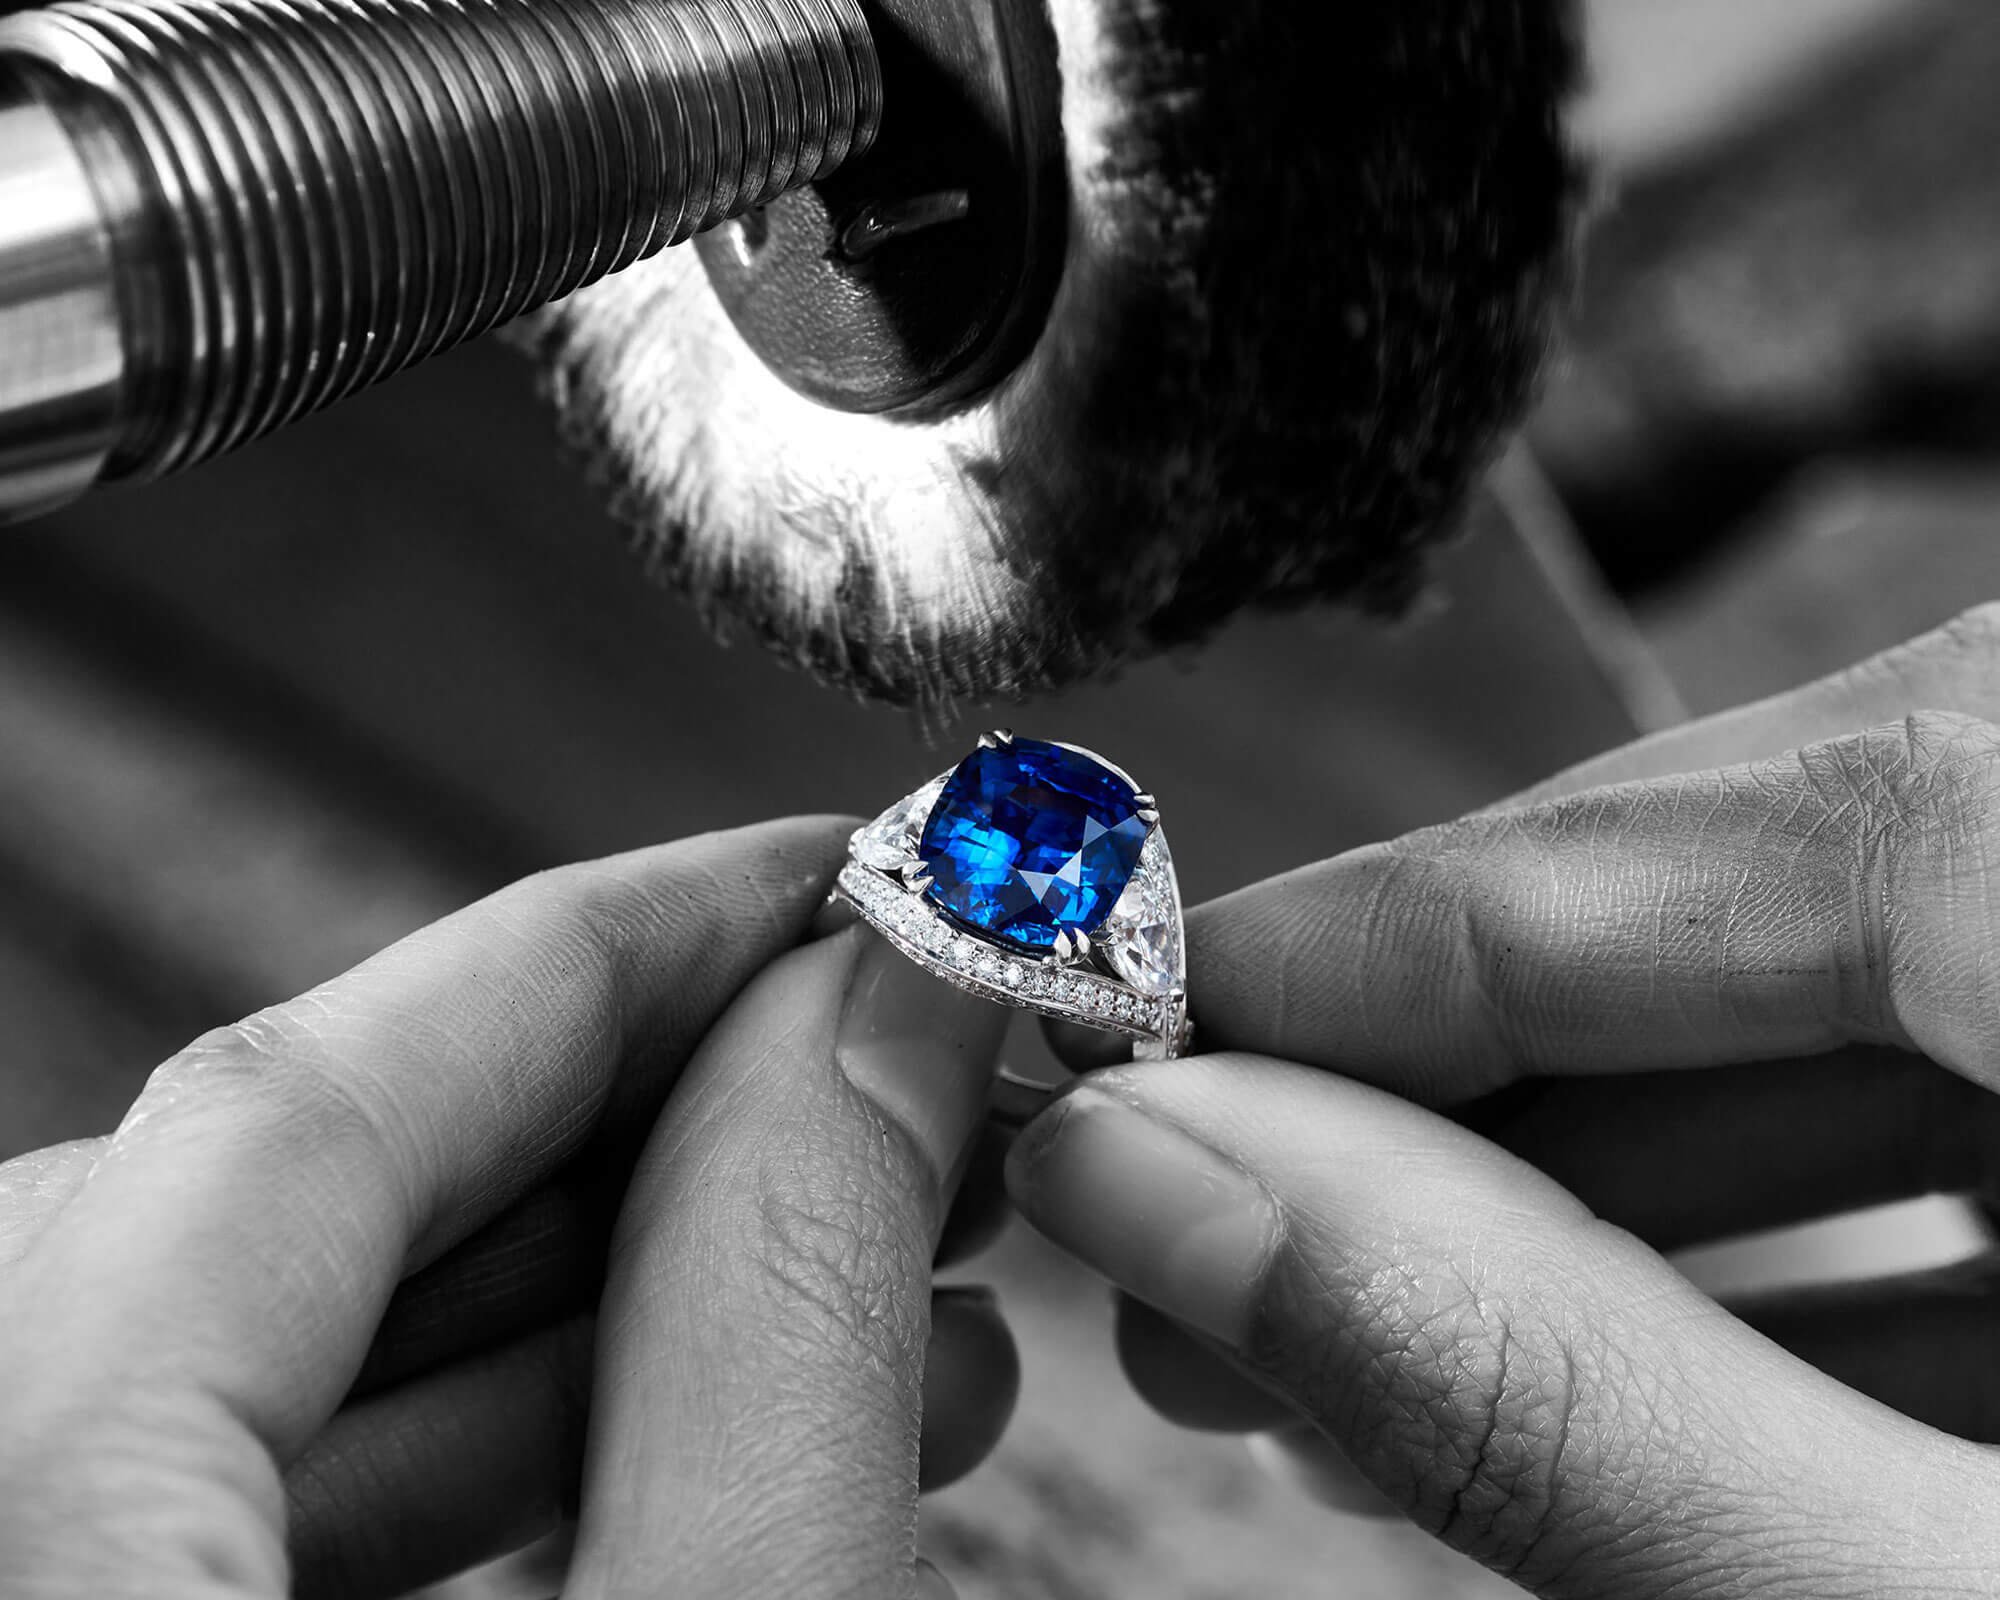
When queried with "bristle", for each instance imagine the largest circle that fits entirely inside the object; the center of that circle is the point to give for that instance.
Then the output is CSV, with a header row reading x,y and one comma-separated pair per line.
x,y
1309,280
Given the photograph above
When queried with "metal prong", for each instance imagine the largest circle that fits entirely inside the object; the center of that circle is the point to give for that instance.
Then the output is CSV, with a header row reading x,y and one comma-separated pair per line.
x,y
1072,947
1144,801
1147,815
995,739
915,874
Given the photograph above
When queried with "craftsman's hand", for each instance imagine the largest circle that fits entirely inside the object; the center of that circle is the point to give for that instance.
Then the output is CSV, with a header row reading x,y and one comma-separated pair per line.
x,y
1743,973
212,1385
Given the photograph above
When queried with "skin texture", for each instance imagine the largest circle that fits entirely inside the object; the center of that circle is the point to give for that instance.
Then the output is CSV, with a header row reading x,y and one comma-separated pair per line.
x,y
1311,264
1734,975
311,1322
1742,920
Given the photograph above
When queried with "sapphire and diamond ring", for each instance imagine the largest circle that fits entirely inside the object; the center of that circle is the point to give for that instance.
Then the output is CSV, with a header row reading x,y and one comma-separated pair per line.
x,y
1034,874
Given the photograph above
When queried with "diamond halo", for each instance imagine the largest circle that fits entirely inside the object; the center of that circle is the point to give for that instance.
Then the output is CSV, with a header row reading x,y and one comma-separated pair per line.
x,y
1007,896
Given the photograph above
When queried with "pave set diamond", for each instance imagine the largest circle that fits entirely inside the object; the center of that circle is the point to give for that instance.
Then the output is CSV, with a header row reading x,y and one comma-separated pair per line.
x,y
1000,974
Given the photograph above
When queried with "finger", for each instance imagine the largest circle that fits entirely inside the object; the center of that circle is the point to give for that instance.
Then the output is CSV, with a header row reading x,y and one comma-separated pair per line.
x,y
1953,668
1189,1380
760,1368
36,1186
1677,1157
1919,1343
543,1259
275,1180
471,1461
1680,1158
972,1378
456,1468
1533,1386
979,1211
1923,1346
1840,894
537,1263
1686,1157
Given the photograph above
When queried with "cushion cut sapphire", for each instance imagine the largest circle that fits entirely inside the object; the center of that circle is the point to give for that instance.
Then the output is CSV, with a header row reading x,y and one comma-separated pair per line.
x,y
1030,838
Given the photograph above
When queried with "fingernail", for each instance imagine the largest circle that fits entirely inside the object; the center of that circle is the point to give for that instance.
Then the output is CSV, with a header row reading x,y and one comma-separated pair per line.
x,y
1159,1213
932,1584
922,1051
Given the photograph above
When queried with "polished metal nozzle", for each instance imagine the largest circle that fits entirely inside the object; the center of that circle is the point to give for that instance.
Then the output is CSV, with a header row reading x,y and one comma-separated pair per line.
x,y
219,215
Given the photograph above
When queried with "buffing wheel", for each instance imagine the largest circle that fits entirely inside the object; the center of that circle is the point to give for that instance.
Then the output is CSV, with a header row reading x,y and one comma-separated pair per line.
x,y
1276,275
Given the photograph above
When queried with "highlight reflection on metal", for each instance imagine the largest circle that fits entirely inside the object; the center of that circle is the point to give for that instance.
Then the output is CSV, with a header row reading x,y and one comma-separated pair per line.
x,y
219,215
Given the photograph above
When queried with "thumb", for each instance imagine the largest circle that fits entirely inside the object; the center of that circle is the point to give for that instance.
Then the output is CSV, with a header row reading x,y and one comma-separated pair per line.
x,y
1532,1385
761,1350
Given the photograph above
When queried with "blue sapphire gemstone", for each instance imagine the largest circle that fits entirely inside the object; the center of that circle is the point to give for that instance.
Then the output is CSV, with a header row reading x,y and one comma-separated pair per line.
x,y
1029,838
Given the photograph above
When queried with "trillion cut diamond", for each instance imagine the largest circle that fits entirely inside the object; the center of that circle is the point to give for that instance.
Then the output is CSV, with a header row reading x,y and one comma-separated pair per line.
x,y
1029,839
891,839
1142,936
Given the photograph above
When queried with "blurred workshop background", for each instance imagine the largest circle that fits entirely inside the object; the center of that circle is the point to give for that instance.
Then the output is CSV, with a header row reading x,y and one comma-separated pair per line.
x,y
260,721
